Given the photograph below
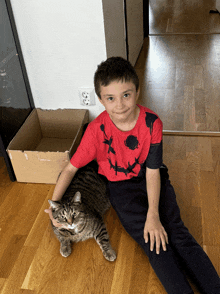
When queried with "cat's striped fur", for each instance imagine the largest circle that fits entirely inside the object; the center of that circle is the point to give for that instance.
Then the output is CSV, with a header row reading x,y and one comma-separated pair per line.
x,y
81,211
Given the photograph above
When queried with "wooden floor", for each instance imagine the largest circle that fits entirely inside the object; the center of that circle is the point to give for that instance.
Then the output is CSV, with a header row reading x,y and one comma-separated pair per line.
x,y
30,261
179,65
180,81
183,17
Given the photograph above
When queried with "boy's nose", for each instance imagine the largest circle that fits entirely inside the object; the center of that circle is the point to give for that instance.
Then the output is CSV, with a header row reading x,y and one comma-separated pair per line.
x,y
119,104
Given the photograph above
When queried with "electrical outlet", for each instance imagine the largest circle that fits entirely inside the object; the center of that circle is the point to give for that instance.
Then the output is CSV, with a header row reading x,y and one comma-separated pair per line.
x,y
86,96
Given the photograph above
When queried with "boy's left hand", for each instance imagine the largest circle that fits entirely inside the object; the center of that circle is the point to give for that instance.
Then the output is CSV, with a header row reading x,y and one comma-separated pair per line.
x,y
157,233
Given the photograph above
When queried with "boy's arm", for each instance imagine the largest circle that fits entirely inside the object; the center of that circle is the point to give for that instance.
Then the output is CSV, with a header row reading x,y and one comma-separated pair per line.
x,y
63,181
62,184
153,226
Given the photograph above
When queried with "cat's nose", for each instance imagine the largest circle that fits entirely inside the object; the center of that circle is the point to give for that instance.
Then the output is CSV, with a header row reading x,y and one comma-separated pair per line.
x,y
70,221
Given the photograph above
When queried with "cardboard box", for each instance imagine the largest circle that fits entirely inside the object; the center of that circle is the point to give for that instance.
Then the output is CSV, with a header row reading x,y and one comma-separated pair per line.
x,y
45,143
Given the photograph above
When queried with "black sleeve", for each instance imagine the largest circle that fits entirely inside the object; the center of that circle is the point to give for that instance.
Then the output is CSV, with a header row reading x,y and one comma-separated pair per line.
x,y
155,155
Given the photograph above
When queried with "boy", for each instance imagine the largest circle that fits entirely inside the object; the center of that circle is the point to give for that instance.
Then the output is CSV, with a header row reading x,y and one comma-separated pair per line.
x,y
126,141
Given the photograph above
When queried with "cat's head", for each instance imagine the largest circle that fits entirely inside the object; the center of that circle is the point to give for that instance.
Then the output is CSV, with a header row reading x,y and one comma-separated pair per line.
x,y
70,214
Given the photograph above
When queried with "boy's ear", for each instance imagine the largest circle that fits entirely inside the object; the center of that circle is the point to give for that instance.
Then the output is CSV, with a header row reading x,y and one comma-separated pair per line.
x,y
100,100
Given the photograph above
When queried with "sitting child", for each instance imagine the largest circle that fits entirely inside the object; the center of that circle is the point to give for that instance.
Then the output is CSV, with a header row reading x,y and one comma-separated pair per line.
x,y
126,141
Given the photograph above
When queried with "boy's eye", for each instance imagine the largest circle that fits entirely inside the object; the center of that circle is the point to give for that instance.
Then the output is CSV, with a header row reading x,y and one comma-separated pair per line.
x,y
126,95
110,98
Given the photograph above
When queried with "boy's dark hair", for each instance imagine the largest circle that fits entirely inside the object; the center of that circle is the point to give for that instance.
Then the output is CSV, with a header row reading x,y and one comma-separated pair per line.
x,y
114,69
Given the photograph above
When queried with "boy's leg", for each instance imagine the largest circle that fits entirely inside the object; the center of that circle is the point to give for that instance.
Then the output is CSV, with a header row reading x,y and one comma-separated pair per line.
x,y
130,202
191,254
129,199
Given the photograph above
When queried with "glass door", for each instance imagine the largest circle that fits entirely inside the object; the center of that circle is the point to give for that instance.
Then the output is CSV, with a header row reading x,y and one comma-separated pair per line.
x,y
16,100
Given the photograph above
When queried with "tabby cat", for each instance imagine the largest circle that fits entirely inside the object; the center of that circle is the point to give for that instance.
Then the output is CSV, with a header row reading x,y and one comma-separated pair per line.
x,y
80,211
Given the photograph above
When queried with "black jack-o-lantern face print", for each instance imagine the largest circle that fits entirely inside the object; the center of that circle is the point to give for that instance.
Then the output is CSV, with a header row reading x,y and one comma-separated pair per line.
x,y
107,141
150,119
120,169
131,142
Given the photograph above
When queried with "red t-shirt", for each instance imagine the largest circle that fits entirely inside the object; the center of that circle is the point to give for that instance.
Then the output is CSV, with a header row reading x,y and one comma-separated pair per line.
x,y
121,155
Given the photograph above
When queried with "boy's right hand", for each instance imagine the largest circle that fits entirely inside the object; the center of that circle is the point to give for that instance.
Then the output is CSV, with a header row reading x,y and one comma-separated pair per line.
x,y
55,223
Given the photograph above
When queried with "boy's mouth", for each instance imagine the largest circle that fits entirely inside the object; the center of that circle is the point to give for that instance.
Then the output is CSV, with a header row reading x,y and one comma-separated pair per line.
x,y
121,112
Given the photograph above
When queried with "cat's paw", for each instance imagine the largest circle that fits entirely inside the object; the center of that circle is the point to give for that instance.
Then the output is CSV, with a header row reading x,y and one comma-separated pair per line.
x,y
110,255
65,251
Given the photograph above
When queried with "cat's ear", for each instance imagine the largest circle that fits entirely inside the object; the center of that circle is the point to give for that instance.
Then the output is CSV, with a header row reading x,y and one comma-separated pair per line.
x,y
54,204
77,197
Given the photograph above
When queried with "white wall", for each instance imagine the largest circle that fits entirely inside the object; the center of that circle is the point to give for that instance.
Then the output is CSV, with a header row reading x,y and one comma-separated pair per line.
x,y
62,43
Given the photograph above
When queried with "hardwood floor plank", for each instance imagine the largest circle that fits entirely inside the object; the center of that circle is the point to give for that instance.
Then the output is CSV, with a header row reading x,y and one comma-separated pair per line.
x,y
193,177
215,150
8,210
11,205
42,220
33,196
213,252
199,77
123,267
210,209
212,109
10,255
200,113
95,272
143,278
189,109
170,112
205,148
16,277
5,184
23,198
192,218
169,28
24,291
2,282
46,254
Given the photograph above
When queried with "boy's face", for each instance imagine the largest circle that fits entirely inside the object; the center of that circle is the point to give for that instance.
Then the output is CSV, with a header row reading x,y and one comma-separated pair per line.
x,y
119,99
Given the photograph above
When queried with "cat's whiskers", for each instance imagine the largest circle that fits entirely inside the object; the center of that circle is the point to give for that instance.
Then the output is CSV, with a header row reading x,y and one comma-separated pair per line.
x,y
72,227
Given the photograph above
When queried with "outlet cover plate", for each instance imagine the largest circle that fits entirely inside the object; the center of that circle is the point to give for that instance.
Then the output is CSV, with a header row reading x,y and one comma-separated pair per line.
x,y
87,96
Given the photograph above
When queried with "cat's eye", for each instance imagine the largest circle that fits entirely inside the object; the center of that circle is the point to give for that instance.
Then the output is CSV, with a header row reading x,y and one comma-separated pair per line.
x,y
75,214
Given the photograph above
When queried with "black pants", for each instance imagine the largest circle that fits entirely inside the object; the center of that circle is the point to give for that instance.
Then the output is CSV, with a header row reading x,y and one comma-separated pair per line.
x,y
129,199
